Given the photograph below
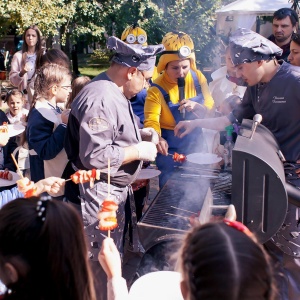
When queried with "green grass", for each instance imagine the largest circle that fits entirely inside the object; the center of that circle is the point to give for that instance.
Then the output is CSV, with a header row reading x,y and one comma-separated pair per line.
x,y
91,71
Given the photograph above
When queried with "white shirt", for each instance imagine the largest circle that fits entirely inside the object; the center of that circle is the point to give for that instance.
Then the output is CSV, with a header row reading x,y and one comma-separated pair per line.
x,y
17,118
30,59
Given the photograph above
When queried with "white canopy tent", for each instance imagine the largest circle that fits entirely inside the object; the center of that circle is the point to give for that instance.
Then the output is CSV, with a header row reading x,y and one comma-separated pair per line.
x,y
244,13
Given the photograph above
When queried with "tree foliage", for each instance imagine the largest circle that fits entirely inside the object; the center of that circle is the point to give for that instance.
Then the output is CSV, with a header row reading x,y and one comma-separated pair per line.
x,y
196,18
96,19
75,16
119,14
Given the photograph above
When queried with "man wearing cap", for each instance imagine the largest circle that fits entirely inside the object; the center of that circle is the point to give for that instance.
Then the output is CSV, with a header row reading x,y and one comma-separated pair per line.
x,y
102,126
273,92
285,23
167,103
135,35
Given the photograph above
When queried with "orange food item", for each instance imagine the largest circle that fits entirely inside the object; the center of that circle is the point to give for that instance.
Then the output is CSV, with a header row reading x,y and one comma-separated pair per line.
x,y
31,193
180,158
24,184
107,215
109,205
6,175
108,223
4,127
82,176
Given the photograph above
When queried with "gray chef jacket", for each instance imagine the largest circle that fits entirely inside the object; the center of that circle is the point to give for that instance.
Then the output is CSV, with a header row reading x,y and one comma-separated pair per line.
x,y
101,124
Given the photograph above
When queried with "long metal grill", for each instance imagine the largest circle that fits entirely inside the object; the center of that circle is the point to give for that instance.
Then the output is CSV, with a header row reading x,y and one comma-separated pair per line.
x,y
180,201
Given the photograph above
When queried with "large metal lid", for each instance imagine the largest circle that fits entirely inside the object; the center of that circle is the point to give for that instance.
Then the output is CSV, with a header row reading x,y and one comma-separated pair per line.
x,y
258,182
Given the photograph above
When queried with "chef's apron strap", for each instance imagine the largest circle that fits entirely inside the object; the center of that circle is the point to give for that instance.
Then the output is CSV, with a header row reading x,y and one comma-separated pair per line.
x,y
136,244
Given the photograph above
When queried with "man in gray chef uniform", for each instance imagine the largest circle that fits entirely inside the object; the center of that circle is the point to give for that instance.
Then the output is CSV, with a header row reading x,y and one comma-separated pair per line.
x,y
102,126
273,91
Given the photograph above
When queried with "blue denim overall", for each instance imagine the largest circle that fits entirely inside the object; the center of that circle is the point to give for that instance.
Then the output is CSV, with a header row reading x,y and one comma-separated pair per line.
x,y
191,143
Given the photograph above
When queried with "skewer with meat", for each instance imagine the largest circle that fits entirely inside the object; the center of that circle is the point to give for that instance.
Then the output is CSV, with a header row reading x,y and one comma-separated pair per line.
x,y
180,158
4,127
6,175
82,176
26,187
107,215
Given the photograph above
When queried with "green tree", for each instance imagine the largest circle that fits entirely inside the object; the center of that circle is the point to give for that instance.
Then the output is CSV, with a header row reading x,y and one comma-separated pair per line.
x,y
196,18
64,17
119,14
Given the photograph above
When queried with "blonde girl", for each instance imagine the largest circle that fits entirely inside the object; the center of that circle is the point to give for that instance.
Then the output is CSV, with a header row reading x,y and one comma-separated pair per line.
x,y
47,122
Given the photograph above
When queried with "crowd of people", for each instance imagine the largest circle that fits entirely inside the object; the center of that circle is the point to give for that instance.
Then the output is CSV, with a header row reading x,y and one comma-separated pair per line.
x,y
136,112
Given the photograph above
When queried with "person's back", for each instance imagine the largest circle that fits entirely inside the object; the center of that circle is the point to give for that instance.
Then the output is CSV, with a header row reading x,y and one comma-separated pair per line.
x,y
218,261
39,260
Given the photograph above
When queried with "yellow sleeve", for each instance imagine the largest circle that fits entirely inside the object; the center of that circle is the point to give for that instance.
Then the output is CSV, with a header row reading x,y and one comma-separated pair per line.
x,y
208,99
152,109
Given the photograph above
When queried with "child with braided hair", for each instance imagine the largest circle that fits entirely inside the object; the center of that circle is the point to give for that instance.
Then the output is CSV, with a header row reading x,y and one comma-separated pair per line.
x,y
217,260
47,122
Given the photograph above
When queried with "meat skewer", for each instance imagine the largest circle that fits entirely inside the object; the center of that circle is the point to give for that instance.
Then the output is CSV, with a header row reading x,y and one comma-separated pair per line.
x,y
82,176
4,127
25,186
107,215
6,175
180,158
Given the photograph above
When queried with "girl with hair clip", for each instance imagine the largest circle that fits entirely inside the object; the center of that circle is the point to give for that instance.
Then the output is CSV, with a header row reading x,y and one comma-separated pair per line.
x,y
23,62
224,261
39,260
217,260
47,122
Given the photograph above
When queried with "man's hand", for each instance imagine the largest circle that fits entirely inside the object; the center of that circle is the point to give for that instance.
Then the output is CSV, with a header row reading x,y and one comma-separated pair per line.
x,y
149,135
162,146
146,151
109,258
184,127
